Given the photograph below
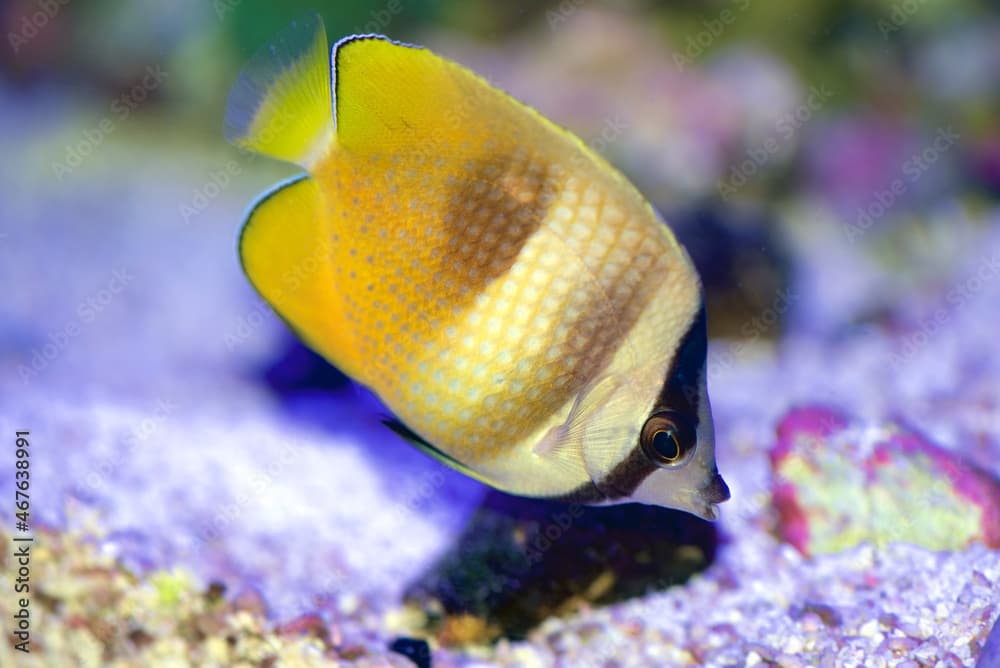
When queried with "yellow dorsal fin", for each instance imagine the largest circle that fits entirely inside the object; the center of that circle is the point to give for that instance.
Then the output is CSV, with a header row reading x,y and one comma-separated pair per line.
x,y
286,255
281,105
387,94
393,97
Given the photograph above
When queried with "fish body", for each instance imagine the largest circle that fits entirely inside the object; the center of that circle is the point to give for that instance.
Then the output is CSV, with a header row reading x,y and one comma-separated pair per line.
x,y
508,295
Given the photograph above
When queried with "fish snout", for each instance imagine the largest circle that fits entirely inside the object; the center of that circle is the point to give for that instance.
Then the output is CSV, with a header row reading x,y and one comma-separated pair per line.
x,y
715,490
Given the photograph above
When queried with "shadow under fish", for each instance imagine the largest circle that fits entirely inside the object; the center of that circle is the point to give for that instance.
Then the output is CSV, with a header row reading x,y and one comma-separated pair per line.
x,y
520,561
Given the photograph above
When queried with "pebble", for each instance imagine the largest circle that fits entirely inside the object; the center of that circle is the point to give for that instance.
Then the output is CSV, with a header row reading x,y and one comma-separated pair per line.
x,y
793,645
415,649
348,603
900,646
869,628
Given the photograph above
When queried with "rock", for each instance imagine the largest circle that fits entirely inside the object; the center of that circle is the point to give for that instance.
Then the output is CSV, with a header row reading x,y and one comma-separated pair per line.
x,y
836,485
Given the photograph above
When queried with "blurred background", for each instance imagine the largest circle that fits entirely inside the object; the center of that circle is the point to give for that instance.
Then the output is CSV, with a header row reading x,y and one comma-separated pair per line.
x,y
747,124
832,167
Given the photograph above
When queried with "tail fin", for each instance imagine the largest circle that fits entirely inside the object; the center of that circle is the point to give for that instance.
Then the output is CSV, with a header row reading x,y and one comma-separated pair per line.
x,y
282,105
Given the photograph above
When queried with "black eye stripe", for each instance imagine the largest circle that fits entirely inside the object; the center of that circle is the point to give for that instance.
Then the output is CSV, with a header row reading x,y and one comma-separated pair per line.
x,y
680,390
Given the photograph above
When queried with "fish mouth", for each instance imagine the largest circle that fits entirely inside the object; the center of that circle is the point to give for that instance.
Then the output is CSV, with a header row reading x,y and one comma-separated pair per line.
x,y
714,492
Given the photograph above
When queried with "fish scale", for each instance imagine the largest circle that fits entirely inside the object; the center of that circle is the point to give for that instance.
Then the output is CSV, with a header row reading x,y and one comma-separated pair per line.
x,y
539,298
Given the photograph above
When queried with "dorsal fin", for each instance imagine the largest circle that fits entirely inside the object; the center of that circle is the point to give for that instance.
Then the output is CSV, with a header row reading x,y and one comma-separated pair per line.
x,y
403,98
281,105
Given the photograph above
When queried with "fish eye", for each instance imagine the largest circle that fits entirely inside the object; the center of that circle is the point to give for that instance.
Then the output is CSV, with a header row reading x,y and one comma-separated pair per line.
x,y
668,439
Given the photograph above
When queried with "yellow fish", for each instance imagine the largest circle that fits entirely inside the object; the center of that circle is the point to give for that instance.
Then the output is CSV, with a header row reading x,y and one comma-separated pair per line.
x,y
509,295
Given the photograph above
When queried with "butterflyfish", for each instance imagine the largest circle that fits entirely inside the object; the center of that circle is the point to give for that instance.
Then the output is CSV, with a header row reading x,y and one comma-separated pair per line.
x,y
519,307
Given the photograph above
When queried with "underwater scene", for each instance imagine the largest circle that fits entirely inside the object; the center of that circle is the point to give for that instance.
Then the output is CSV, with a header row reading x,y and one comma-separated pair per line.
x,y
591,333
